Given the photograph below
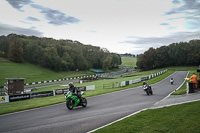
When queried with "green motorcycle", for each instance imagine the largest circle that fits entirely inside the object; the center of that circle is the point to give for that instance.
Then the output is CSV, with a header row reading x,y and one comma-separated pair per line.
x,y
72,100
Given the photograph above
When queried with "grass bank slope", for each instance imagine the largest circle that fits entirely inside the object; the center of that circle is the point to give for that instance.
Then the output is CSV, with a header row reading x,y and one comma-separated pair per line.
x,y
32,73
129,61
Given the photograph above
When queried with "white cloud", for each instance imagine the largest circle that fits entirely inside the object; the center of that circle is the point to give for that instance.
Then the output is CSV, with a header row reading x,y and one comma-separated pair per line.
x,y
107,23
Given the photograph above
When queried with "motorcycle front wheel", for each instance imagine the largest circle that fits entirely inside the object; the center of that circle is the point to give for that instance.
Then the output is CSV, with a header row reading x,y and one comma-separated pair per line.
x,y
147,92
70,105
84,102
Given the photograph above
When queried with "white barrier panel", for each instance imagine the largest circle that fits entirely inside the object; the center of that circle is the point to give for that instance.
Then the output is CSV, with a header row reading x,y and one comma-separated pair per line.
x,y
123,83
4,99
26,91
92,87
130,82
187,87
136,81
54,92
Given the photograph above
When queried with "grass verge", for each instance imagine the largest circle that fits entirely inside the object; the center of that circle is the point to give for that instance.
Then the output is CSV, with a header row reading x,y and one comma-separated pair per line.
x,y
175,119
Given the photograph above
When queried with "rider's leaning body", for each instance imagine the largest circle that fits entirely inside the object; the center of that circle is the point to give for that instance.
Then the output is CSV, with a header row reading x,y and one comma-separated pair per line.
x,y
74,90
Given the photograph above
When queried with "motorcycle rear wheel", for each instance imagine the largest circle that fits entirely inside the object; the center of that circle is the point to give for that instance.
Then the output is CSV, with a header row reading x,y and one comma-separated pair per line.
x,y
70,105
84,102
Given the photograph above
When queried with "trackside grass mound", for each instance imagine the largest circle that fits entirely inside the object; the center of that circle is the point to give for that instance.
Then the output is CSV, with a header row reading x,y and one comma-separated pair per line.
x,y
175,119
33,73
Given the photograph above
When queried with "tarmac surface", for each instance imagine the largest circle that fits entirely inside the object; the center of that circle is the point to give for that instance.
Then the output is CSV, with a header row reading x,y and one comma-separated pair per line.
x,y
170,100
178,99
101,110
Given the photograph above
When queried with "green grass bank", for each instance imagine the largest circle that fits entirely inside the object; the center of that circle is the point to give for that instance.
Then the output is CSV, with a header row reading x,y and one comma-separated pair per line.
x,y
33,73
129,61
175,119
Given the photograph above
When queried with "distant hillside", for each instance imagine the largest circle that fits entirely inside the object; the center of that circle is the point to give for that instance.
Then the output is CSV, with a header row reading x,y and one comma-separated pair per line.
x,y
129,61
58,55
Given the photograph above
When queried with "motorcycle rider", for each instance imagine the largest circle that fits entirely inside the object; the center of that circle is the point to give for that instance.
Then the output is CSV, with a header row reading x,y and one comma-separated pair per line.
x,y
144,82
74,90
171,81
148,86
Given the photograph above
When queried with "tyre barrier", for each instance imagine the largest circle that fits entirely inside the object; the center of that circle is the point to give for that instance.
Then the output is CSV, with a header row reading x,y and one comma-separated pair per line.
x,y
57,80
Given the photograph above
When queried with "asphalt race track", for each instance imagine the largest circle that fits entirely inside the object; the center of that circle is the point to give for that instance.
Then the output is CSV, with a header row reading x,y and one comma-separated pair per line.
x,y
100,111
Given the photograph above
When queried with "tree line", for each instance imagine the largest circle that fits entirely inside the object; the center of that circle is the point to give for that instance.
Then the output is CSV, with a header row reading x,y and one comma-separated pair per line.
x,y
176,54
58,55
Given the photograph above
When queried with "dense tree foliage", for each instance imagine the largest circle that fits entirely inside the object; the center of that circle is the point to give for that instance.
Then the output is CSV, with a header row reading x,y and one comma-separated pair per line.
x,y
176,54
59,55
15,51
127,55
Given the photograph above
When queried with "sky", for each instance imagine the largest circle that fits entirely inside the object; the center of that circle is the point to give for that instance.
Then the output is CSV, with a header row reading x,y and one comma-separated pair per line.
x,y
121,26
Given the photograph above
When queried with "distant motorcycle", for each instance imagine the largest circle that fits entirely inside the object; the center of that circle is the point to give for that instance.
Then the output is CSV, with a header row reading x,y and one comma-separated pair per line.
x,y
171,81
147,89
74,101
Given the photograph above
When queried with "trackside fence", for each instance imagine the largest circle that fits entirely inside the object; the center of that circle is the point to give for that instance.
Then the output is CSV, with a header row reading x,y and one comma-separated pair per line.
x,y
57,80
125,83
4,99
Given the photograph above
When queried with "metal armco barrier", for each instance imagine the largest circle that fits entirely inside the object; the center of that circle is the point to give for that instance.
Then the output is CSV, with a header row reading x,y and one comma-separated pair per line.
x,y
41,94
13,98
19,97
60,91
